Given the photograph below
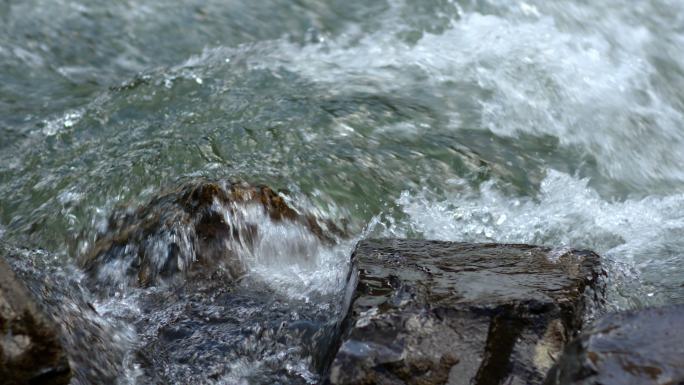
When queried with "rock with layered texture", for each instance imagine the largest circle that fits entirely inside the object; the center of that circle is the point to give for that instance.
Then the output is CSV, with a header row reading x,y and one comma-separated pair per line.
x,y
30,348
636,347
428,312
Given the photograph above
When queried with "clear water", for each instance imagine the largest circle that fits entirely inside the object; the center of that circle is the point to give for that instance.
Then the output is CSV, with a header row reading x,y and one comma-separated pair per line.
x,y
557,123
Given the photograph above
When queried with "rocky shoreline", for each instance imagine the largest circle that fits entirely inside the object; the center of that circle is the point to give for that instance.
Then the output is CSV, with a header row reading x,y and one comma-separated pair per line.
x,y
416,311
425,312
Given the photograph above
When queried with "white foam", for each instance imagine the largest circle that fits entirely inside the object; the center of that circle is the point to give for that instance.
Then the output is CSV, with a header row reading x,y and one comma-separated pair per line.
x,y
644,234
288,257
60,124
583,73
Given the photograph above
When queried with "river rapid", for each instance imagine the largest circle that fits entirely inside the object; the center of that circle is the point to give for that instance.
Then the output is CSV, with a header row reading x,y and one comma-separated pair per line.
x,y
556,123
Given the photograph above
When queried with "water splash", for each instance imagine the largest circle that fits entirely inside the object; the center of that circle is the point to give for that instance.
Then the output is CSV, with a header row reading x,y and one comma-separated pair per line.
x,y
227,280
583,73
205,228
635,236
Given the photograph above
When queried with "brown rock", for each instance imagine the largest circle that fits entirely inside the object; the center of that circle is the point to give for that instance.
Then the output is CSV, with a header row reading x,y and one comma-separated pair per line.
x,y
200,224
427,312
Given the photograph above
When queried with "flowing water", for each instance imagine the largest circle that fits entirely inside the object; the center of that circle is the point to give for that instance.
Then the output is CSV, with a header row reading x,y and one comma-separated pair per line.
x,y
557,123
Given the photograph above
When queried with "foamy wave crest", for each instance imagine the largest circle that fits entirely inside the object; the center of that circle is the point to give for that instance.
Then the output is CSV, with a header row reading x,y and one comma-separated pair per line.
x,y
640,236
585,74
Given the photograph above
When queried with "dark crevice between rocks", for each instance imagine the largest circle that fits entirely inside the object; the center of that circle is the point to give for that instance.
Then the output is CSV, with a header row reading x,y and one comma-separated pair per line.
x,y
323,359
504,330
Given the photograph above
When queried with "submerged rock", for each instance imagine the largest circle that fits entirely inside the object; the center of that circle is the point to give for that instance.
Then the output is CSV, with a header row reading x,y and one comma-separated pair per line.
x,y
199,271
30,349
204,331
428,312
636,347
207,333
201,227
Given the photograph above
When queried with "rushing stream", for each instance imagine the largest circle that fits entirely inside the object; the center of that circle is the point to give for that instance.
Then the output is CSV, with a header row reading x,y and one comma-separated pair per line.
x,y
548,122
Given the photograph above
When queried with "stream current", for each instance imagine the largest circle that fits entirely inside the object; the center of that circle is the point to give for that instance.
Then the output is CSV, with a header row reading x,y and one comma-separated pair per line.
x,y
557,123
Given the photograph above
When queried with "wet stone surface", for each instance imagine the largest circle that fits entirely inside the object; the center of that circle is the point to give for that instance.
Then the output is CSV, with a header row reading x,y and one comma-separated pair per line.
x,y
210,333
200,227
636,347
184,272
96,347
428,312
208,329
30,349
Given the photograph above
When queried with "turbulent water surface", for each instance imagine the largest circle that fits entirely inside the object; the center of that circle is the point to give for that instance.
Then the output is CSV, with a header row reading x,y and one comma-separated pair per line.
x,y
556,123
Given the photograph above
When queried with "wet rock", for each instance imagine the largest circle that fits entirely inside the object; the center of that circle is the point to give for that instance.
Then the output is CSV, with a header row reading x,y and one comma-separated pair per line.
x,y
96,347
204,331
637,347
200,227
30,349
198,263
207,332
427,312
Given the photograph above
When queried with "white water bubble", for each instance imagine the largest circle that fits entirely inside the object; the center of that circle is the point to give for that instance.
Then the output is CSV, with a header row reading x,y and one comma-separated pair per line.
x,y
68,120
